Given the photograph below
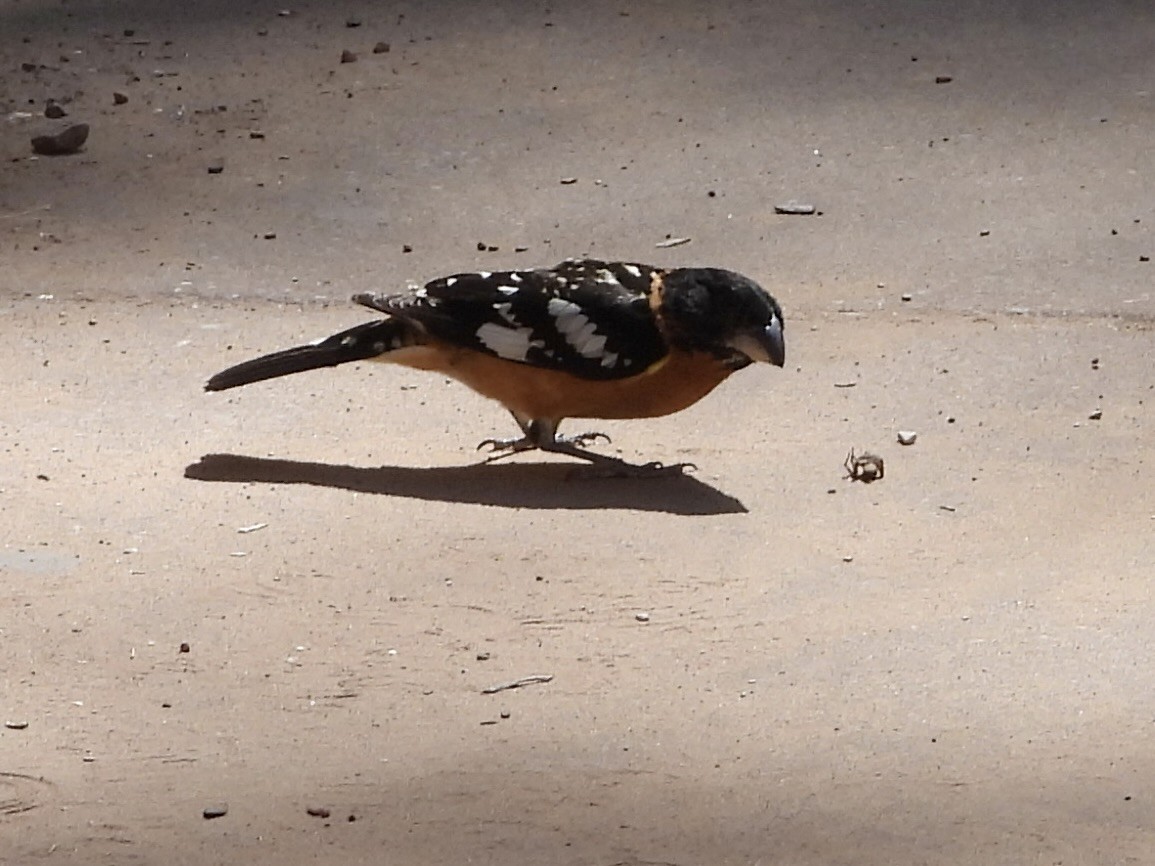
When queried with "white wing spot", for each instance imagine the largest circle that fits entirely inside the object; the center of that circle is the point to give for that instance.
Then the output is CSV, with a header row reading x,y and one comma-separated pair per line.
x,y
607,277
515,278
485,275
506,312
576,327
609,359
421,293
508,290
632,270
450,281
513,344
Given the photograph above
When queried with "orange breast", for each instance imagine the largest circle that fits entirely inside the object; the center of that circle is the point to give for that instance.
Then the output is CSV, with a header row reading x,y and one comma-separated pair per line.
x,y
669,386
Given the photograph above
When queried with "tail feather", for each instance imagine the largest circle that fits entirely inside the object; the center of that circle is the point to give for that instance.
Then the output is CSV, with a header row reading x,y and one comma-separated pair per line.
x,y
356,344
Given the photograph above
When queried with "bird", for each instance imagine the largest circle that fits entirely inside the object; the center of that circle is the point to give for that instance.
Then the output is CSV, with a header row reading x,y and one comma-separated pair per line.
x,y
583,339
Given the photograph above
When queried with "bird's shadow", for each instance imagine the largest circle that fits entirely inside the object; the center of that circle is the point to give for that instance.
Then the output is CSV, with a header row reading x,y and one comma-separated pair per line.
x,y
505,485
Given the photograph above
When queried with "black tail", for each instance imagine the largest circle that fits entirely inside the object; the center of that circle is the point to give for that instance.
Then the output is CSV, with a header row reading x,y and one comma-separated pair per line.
x,y
356,344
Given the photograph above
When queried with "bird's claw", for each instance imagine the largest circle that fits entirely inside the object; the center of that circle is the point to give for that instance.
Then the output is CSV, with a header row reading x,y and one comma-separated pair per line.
x,y
580,440
505,446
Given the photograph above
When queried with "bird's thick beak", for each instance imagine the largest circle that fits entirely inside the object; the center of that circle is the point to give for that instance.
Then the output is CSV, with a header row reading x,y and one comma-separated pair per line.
x,y
767,345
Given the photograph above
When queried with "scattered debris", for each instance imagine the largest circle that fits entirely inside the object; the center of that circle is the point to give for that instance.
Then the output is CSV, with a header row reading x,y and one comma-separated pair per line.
x,y
245,530
907,437
949,508
184,647
53,111
532,679
504,714
352,22
216,167
568,180
317,811
642,616
348,56
63,143
119,98
794,208
1096,415
405,248
381,48
16,726
845,384
864,467
943,79
218,811
906,297
671,242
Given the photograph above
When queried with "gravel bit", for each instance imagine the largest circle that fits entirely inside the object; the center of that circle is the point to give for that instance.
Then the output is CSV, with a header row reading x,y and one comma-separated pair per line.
x,y
119,98
793,208
671,242
381,48
907,437
642,616
217,811
63,143
317,811
348,56
532,679
54,112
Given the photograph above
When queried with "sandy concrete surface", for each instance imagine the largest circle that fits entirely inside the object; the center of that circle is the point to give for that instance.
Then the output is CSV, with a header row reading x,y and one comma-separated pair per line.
x,y
291,598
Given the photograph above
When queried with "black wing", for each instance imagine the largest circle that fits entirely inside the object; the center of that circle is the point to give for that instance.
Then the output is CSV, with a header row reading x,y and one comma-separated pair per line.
x,y
590,318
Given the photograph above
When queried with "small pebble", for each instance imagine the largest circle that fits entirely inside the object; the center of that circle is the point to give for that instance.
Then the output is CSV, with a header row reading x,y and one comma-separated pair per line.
x,y
63,143
218,811
943,79
504,714
317,811
793,208
907,298
54,112
381,48
119,98
216,167
642,616
16,726
184,647
348,56
352,22
1096,415
568,180
907,437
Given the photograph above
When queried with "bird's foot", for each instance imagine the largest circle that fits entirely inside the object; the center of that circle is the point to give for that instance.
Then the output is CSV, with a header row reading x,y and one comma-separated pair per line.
x,y
501,448
579,440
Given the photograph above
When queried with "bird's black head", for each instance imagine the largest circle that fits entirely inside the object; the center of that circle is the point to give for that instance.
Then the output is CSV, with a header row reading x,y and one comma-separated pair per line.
x,y
724,313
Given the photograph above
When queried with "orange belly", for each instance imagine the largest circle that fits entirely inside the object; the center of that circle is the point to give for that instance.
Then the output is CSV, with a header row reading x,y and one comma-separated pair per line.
x,y
671,385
